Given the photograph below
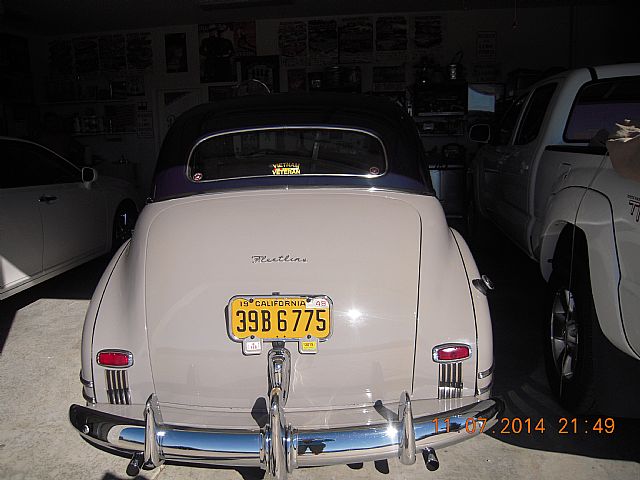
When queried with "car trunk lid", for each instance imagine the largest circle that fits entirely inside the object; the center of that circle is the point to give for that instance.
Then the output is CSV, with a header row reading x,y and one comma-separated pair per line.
x,y
359,248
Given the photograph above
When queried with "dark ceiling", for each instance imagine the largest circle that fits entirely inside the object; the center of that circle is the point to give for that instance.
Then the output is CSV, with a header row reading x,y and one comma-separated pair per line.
x,y
75,16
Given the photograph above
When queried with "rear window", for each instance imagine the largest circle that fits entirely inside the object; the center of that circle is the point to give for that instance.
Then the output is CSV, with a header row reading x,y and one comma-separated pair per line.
x,y
287,151
600,105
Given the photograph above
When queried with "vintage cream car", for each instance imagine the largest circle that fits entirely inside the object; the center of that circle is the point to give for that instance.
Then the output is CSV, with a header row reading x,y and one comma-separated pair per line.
x,y
291,297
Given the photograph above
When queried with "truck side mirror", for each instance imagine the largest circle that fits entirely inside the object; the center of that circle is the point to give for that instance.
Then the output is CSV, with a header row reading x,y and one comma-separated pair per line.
x,y
89,175
480,133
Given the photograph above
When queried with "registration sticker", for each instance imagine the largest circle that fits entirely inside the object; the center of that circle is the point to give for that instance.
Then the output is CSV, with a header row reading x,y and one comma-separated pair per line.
x,y
308,346
286,168
317,302
252,346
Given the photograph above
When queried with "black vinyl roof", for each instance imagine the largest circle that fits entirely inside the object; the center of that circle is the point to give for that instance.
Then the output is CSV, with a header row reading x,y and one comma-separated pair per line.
x,y
406,162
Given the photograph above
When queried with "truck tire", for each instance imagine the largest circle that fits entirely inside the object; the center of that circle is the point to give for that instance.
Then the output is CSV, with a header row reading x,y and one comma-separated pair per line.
x,y
568,337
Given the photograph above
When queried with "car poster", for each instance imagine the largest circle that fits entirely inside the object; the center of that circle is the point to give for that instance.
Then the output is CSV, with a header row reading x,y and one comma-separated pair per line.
x,y
86,53
113,56
427,32
220,45
323,42
244,38
175,52
139,52
356,40
292,40
391,38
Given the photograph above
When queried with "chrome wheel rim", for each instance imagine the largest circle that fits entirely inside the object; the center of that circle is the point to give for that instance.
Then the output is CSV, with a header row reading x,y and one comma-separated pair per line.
x,y
564,334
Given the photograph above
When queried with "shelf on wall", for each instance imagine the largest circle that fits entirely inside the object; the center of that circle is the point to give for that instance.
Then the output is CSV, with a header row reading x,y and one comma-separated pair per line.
x,y
80,102
441,134
95,134
439,114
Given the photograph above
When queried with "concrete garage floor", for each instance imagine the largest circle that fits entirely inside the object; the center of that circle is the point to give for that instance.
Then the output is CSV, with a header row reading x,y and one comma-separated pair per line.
x,y
40,332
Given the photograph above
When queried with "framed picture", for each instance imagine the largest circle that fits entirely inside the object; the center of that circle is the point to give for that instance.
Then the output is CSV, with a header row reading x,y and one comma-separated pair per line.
x,y
265,69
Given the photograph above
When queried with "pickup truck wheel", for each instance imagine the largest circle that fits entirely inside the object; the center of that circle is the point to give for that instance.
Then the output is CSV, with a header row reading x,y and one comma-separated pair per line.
x,y
123,223
568,339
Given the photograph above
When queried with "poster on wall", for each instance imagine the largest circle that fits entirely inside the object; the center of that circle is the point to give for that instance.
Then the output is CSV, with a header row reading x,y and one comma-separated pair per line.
x,y
244,38
60,57
220,45
86,53
486,46
427,32
323,42
144,121
112,53
265,69
292,41
139,52
175,52
297,80
356,40
391,38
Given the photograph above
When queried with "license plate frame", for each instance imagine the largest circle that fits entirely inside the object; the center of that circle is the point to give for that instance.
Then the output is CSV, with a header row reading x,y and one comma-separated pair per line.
x,y
313,302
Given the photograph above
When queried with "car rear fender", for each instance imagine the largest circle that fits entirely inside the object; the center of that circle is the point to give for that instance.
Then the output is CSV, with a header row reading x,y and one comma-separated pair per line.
x,y
450,309
115,321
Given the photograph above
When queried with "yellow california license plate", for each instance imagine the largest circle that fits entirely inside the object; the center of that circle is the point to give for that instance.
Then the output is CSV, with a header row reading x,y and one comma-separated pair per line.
x,y
286,317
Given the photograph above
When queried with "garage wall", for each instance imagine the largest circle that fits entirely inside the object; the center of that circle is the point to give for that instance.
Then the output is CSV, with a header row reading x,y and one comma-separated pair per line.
x,y
535,39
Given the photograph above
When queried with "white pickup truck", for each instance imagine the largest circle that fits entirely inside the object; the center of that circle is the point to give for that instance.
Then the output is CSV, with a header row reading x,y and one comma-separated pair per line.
x,y
546,179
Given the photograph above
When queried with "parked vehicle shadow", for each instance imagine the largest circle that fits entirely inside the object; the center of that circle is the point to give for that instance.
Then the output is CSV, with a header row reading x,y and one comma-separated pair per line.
x,y
518,311
76,284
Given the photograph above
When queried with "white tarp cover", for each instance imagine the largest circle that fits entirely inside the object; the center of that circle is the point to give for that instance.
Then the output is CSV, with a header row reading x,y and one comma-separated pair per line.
x,y
624,149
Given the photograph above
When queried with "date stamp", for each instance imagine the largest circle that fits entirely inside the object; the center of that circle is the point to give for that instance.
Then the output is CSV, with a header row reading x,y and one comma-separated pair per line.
x,y
528,426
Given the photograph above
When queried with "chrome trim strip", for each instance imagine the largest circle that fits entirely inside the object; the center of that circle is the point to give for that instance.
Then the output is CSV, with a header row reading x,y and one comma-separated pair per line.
x,y
118,391
86,383
87,397
486,373
243,447
289,127
450,380
485,389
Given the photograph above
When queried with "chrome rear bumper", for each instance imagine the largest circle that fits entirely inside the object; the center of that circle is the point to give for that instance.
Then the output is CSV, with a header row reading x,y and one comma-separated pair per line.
x,y
279,448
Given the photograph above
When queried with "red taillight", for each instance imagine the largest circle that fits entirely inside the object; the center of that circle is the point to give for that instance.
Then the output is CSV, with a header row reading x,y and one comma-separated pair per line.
x,y
115,358
451,353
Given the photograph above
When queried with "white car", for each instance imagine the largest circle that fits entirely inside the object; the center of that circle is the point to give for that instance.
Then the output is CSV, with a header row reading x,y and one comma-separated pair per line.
x,y
55,216
291,297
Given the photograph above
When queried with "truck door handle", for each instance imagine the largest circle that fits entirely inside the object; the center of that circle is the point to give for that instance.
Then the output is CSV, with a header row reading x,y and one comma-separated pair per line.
x,y
48,199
